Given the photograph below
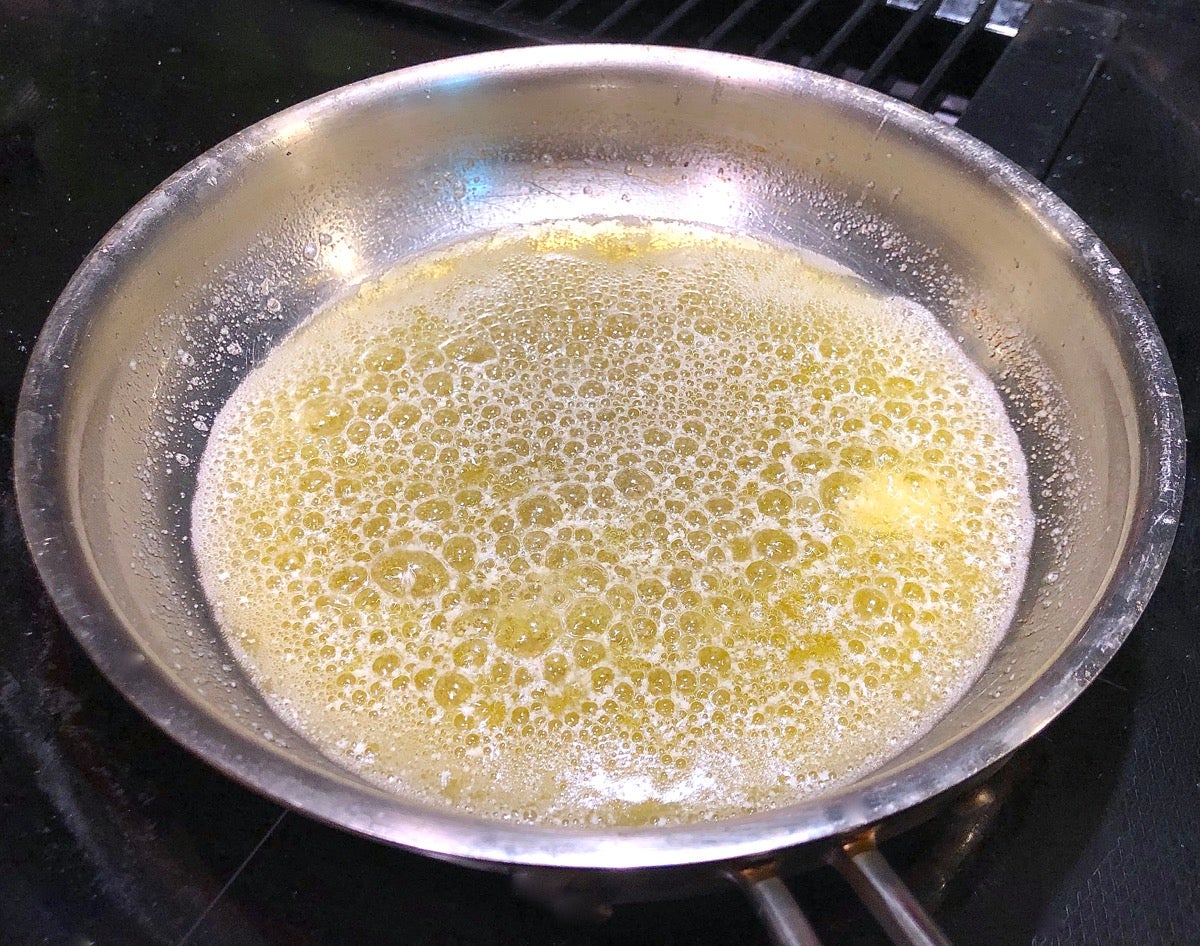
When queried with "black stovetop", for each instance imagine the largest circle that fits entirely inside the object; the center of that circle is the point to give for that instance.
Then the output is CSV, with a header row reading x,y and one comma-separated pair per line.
x,y
110,833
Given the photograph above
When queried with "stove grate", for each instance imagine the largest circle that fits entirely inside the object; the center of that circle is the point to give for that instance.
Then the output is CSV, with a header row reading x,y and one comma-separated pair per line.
x,y
943,56
932,53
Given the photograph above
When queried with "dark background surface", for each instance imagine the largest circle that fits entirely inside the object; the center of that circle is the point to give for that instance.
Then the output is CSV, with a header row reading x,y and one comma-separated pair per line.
x,y
110,833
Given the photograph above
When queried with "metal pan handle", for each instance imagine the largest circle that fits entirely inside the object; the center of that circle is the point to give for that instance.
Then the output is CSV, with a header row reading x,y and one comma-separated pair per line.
x,y
876,884
775,905
885,894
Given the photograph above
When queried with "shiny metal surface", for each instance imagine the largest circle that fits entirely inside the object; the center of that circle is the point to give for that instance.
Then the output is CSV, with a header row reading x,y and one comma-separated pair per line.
x,y
775,906
900,914
1006,16
193,286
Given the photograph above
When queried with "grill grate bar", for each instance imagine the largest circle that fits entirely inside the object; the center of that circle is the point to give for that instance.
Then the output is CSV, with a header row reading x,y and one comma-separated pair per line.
x,y
911,25
767,46
881,43
835,42
682,10
981,61
728,23
561,10
1029,104
977,22
613,18
492,19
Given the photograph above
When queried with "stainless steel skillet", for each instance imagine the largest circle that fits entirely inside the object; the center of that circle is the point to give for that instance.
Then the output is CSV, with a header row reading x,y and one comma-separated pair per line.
x,y
194,285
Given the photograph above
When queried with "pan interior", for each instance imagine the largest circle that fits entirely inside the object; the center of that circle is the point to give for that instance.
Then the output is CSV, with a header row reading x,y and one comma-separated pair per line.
x,y
654,525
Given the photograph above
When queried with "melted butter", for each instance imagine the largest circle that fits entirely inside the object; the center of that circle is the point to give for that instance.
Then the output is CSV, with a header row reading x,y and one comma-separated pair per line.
x,y
614,524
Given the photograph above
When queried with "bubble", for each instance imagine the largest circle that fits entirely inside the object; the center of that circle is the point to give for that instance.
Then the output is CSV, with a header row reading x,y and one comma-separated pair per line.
x,y
384,357
459,552
289,560
837,487
773,472
659,682
588,653
634,484
761,574
540,510
347,580
312,481
555,667
775,502
870,603
528,631
588,618
452,689
471,653
325,414
686,446
473,351
587,577
409,572
433,510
